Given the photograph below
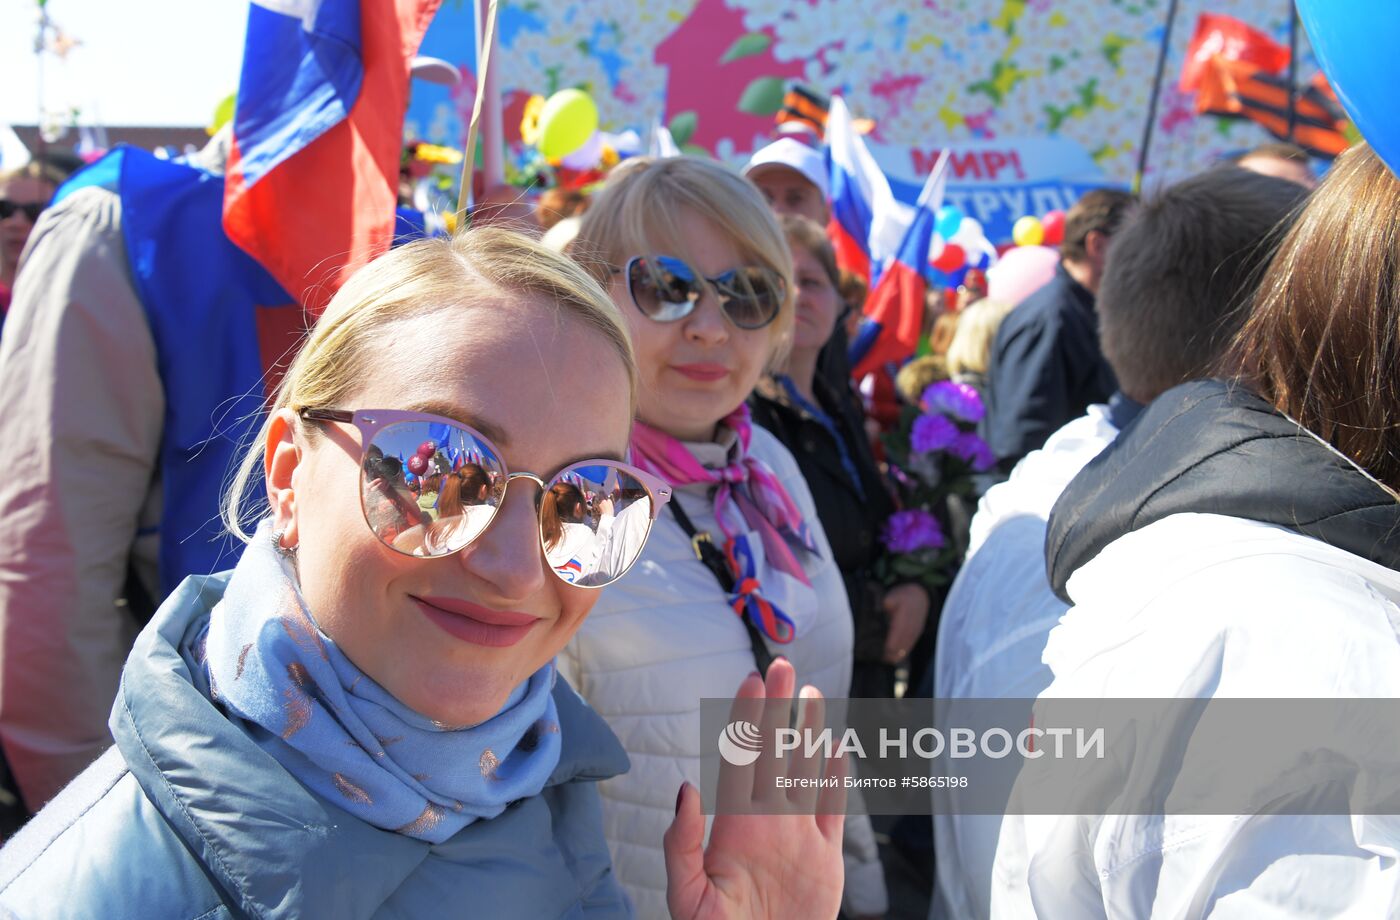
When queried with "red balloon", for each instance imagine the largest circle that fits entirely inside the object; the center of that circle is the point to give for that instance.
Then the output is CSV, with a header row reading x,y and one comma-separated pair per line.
x,y
427,449
417,464
1054,224
950,259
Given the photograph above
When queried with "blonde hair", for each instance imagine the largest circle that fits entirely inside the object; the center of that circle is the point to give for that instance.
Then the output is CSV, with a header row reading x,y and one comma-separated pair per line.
x,y
918,375
339,351
971,349
637,213
34,169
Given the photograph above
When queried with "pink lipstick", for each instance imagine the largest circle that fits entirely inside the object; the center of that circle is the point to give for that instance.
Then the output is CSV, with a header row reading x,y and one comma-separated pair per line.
x,y
701,372
474,623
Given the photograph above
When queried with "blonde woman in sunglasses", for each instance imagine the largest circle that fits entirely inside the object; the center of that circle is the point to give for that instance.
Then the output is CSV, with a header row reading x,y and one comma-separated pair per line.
x,y
364,717
738,570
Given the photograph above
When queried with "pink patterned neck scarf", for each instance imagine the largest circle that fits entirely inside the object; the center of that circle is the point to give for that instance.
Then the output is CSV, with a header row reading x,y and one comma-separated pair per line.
x,y
749,500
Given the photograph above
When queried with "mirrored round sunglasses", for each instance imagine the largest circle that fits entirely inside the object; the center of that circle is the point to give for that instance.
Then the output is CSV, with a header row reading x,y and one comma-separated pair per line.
x,y
429,486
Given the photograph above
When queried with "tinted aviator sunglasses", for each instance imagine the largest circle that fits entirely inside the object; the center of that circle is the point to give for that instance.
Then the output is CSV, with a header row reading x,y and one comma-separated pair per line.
x,y
429,486
31,209
666,289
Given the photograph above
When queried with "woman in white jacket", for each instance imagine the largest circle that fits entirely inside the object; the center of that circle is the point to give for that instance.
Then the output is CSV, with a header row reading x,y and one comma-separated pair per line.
x,y
1242,539
701,270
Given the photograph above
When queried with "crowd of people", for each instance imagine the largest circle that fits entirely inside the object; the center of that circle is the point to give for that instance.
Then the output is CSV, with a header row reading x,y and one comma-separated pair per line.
x,y
525,497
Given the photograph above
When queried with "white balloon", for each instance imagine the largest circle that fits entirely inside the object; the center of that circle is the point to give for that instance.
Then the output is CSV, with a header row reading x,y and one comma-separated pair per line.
x,y
971,231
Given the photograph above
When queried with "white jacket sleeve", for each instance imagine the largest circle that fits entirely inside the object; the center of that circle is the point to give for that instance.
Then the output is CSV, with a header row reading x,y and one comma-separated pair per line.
x,y
80,441
1204,606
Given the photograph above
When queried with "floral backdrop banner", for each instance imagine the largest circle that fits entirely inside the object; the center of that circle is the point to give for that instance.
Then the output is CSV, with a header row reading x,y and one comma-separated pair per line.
x,y
1037,99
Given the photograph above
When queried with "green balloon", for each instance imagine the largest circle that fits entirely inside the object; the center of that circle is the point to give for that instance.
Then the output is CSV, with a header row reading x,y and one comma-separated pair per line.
x,y
567,122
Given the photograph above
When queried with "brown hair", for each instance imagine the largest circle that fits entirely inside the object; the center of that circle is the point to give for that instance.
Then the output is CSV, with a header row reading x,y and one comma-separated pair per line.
x,y
804,233
558,203
1182,271
563,495
449,502
1323,341
472,478
853,290
940,337
1101,209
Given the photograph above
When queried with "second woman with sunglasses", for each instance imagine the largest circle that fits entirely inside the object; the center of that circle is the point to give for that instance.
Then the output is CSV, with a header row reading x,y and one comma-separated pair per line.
x,y
737,570
24,193
363,718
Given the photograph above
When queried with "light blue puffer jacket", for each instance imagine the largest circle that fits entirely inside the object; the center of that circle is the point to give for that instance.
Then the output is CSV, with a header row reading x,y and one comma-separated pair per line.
x,y
186,817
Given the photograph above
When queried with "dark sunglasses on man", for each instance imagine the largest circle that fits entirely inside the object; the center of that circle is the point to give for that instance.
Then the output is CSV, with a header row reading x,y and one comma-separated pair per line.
x,y
31,209
667,289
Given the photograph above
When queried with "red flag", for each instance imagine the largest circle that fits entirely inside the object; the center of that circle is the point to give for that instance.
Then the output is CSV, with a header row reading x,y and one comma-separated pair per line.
x,y
313,171
1228,39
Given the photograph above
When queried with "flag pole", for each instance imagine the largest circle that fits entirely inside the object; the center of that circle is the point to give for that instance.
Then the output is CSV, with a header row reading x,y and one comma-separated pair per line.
x,y
487,38
1292,69
493,168
1152,102
40,40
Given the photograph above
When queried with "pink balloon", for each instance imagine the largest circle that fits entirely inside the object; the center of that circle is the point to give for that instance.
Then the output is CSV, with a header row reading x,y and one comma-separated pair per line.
x,y
427,449
417,464
1021,272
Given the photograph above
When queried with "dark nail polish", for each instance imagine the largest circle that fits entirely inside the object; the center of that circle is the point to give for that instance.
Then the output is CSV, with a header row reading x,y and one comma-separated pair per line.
x,y
680,797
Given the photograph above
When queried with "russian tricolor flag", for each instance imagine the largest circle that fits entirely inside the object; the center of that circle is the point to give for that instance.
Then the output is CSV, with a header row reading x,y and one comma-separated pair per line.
x,y
894,312
313,171
867,222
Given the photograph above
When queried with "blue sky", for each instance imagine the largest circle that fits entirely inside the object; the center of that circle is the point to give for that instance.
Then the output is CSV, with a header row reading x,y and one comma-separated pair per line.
x,y
154,62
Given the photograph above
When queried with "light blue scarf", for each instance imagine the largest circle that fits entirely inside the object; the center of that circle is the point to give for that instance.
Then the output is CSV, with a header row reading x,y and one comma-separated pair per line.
x,y
344,737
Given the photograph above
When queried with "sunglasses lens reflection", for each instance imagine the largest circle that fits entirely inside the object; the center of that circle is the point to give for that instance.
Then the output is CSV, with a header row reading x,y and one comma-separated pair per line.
x,y
752,296
429,489
666,289
594,521
663,288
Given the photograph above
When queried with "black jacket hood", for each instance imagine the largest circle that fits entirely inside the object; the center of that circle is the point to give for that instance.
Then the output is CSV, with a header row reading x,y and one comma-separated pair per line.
x,y
1213,447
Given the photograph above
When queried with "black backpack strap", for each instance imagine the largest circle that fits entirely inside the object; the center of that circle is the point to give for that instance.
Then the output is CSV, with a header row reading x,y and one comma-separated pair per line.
x,y
710,556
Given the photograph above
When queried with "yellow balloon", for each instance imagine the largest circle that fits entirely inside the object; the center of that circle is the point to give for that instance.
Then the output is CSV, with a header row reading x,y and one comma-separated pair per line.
x,y
223,114
1028,231
567,121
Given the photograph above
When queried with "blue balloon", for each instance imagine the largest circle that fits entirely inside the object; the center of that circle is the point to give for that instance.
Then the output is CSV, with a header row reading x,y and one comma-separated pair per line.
x,y
949,220
1354,43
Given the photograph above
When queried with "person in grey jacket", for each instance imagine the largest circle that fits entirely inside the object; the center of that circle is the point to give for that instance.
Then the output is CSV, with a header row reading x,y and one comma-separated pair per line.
x,y
356,722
